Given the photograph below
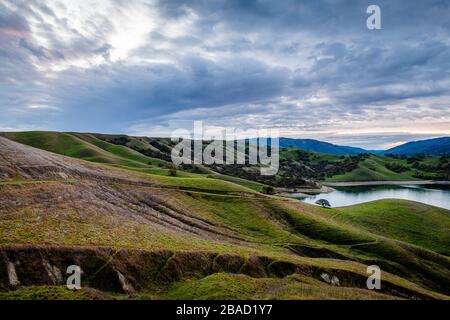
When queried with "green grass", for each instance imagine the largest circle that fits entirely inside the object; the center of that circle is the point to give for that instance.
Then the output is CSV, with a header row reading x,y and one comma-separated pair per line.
x,y
94,147
411,222
403,236
68,227
46,293
120,151
61,143
222,286
248,217
266,224
153,170
373,169
202,184
314,223
89,147
243,182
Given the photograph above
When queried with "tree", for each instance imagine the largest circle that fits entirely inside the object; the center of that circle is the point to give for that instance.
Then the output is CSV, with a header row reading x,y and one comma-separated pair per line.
x,y
268,190
324,203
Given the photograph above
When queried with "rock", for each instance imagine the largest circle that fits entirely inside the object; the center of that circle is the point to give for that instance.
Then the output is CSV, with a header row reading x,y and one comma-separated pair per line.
x,y
12,275
333,280
53,272
126,286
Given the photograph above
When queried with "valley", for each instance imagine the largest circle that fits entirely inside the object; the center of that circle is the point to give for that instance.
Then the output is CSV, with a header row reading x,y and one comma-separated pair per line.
x,y
141,229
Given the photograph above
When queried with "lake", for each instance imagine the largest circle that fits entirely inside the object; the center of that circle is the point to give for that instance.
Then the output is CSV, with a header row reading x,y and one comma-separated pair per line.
x,y
436,195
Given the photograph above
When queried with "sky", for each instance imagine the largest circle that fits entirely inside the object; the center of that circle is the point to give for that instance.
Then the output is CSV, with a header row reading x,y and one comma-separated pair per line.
x,y
310,69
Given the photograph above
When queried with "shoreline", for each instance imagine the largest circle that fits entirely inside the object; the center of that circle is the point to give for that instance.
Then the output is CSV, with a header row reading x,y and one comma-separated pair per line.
x,y
381,183
304,192
328,187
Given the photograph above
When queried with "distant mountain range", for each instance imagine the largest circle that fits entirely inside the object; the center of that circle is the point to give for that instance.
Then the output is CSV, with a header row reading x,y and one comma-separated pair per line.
x,y
319,146
436,147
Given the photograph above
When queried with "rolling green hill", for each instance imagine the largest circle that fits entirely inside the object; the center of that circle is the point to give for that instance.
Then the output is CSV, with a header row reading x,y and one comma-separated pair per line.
x,y
374,169
82,146
179,237
412,222
298,168
118,150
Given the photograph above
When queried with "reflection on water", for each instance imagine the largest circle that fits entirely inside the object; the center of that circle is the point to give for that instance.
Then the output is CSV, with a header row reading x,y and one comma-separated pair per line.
x,y
435,195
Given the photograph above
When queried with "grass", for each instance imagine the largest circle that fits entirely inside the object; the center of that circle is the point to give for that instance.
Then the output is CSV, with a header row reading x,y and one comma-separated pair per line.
x,y
94,147
61,143
70,227
314,223
120,151
222,286
403,236
153,170
21,182
411,222
243,182
374,169
90,148
248,217
202,184
46,293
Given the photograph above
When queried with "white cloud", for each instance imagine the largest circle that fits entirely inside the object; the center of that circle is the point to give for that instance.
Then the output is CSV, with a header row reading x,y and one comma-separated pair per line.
x,y
42,107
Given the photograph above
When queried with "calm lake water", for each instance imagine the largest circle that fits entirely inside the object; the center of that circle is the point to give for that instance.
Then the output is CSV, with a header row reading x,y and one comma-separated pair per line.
x,y
436,195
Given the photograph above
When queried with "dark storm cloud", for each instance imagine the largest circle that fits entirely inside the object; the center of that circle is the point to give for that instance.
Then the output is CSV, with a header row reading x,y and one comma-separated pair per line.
x,y
308,65
128,93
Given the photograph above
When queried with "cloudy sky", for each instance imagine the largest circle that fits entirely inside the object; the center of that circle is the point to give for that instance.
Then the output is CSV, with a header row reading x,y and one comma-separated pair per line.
x,y
312,69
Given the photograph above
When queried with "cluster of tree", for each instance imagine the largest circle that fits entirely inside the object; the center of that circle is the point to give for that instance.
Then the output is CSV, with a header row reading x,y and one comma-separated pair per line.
x,y
327,168
410,159
287,176
126,141
160,146
120,140
297,168
422,169
397,167
436,172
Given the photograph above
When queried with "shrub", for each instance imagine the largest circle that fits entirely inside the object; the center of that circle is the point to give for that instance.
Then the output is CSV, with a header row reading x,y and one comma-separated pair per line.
x,y
268,190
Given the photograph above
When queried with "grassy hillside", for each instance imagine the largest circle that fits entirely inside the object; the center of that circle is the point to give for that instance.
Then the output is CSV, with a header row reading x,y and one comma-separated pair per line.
x,y
376,168
62,143
207,218
229,286
84,147
256,186
407,221
264,228
297,167
49,293
96,148
118,150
